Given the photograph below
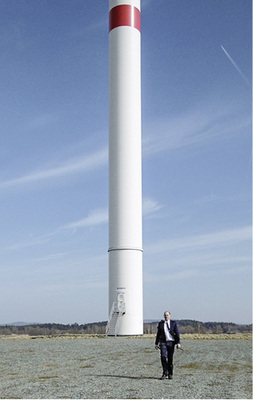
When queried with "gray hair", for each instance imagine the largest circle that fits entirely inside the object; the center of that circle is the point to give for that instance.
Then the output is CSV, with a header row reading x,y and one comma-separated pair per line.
x,y
167,312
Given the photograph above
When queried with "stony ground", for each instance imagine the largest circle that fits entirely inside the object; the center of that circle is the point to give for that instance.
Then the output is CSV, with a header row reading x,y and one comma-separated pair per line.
x,y
123,368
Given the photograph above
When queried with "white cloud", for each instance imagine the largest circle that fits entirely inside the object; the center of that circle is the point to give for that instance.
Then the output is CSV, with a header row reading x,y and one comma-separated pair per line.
x,y
100,215
95,217
208,240
194,128
149,206
86,163
34,241
225,252
47,258
42,120
235,65
169,276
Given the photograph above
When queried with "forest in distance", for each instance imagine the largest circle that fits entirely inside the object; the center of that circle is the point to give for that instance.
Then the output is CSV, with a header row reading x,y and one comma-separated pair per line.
x,y
185,326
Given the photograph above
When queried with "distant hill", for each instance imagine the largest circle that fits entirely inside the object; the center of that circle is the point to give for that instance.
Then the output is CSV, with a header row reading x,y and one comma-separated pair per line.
x,y
20,323
150,326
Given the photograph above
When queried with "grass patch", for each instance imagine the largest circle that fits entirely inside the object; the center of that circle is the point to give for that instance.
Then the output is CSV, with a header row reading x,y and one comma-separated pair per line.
x,y
191,366
52,365
222,368
117,355
213,336
45,378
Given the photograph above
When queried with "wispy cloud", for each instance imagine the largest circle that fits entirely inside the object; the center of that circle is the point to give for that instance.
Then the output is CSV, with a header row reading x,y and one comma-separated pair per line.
x,y
86,163
204,241
235,65
40,121
95,217
149,276
75,285
195,127
150,206
214,198
226,252
100,216
47,258
18,245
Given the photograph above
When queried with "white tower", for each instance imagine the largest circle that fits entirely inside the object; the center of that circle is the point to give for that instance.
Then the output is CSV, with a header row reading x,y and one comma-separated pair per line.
x,y
125,181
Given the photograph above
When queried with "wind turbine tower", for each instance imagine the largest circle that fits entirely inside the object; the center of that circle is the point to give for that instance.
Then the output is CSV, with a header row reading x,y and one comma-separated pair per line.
x,y
125,170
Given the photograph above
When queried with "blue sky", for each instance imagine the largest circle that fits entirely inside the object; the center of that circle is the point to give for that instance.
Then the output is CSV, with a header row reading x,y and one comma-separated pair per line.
x,y
196,130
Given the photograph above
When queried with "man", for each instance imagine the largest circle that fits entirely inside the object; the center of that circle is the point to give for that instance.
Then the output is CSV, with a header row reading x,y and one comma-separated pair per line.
x,y
167,337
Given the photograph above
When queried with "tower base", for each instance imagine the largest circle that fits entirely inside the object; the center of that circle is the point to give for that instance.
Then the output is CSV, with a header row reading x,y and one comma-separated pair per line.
x,y
125,289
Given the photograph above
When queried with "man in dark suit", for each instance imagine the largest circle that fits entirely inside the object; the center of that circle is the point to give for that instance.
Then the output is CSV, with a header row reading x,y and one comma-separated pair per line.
x,y
167,338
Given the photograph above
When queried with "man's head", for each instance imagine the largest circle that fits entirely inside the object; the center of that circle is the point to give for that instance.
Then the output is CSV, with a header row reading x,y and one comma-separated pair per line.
x,y
166,315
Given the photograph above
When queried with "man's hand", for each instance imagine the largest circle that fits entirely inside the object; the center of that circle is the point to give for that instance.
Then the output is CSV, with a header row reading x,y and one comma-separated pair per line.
x,y
156,347
178,346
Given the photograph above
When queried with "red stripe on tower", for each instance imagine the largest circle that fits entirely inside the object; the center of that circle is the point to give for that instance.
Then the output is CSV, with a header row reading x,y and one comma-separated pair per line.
x,y
125,15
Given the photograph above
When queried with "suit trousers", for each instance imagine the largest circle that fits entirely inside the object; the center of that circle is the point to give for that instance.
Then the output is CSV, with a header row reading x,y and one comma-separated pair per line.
x,y
167,351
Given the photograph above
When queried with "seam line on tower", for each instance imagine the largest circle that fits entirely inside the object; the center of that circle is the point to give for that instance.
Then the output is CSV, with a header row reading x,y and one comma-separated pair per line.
x,y
125,248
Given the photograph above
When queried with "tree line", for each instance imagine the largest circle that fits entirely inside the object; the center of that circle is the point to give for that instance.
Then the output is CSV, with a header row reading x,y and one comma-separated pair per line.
x,y
192,326
185,326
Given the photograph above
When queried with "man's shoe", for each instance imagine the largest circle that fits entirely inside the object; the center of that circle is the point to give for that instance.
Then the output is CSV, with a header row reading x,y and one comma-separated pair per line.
x,y
163,377
170,377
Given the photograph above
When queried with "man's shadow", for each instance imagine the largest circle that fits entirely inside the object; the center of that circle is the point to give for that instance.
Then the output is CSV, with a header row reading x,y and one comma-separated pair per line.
x,y
126,376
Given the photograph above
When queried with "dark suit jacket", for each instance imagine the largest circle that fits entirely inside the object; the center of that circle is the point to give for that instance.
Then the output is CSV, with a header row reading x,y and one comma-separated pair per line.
x,y
160,336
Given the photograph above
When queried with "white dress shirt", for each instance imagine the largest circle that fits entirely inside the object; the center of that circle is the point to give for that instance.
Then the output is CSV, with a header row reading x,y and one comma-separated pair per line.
x,y
167,333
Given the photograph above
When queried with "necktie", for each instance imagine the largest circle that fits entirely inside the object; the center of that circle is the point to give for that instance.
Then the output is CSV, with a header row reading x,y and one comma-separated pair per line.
x,y
168,326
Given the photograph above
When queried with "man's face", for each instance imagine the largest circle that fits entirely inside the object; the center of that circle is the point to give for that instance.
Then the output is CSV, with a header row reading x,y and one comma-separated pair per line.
x,y
167,316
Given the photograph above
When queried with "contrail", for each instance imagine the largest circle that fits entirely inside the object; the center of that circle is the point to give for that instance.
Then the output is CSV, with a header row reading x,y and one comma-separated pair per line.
x,y
235,65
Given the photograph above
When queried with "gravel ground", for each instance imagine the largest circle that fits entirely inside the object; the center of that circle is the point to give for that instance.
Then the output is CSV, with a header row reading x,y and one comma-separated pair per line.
x,y
123,368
